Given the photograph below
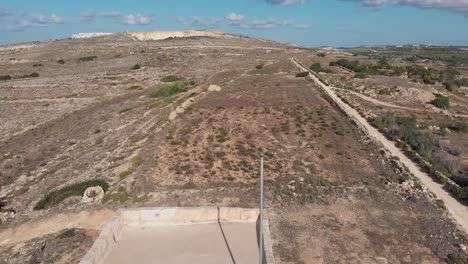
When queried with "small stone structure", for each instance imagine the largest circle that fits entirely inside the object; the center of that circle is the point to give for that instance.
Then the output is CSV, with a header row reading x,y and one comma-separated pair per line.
x,y
93,194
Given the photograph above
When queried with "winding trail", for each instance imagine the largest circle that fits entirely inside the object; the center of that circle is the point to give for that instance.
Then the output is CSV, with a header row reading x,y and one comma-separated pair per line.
x,y
455,209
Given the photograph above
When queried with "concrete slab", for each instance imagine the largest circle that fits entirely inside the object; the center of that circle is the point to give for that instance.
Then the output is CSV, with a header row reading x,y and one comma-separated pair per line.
x,y
181,235
214,243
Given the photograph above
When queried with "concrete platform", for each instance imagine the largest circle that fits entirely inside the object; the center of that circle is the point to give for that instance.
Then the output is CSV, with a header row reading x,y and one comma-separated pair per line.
x,y
181,235
197,243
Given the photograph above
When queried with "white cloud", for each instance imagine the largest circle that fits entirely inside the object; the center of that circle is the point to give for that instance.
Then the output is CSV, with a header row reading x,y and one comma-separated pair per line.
x,y
92,14
285,2
20,26
4,11
451,5
88,15
52,19
136,20
234,18
110,14
202,22
301,26
269,24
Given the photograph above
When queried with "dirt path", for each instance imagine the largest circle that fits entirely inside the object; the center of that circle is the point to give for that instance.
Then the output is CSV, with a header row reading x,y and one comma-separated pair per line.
x,y
38,228
458,211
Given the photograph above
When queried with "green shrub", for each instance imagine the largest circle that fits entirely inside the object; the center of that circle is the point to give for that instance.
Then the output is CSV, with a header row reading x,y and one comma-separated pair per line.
x,y
361,75
451,85
442,102
61,62
137,161
460,126
5,77
170,78
136,67
259,67
37,65
321,54
67,234
88,58
302,74
385,91
32,75
77,189
316,67
169,90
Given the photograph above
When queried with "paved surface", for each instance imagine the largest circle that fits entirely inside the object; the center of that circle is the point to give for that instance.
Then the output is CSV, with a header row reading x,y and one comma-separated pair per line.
x,y
196,244
458,211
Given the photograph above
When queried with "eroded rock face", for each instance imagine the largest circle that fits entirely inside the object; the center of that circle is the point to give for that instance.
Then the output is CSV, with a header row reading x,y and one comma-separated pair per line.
x,y
93,194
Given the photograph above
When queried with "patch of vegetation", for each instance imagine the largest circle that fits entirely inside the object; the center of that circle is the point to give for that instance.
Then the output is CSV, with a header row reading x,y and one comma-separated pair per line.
x,y
5,77
87,58
363,70
124,110
120,197
422,146
302,74
61,61
222,135
170,78
135,87
169,90
317,67
259,67
322,55
37,65
77,189
32,75
387,91
460,126
137,161
442,102
67,234
136,67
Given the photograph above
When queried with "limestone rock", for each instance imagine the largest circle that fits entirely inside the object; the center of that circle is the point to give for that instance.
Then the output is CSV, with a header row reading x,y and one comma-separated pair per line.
x,y
214,88
93,194
172,115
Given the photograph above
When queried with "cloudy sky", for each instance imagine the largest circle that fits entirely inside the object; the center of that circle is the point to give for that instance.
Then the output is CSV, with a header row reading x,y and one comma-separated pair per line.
x,y
306,22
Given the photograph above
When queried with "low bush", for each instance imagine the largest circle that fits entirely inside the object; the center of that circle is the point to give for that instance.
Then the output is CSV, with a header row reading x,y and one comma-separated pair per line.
x,y
5,77
136,67
170,78
259,67
302,74
322,55
87,58
32,75
460,126
61,62
316,67
169,90
37,65
442,102
77,189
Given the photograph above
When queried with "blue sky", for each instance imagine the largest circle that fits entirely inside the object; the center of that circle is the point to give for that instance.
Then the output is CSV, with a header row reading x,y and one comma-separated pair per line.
x,y
314,23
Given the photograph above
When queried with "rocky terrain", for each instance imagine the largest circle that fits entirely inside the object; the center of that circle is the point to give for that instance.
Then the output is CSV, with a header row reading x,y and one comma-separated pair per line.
x,y
181,122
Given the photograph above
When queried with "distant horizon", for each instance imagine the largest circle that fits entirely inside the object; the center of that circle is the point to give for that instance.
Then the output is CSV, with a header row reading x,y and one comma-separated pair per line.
x,y
282,42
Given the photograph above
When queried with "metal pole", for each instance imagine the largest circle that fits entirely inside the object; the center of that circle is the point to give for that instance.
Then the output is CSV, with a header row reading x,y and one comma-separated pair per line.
x,y
261,208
